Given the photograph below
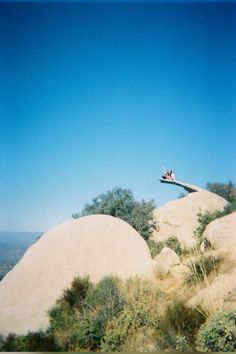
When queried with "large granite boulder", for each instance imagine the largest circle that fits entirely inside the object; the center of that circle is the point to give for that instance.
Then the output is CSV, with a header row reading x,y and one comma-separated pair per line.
x,y
179,218
219,293
222,231
166,259
96,245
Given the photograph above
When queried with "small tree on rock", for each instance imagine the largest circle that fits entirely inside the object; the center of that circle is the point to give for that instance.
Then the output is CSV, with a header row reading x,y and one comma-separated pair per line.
x,y
226,191
120,203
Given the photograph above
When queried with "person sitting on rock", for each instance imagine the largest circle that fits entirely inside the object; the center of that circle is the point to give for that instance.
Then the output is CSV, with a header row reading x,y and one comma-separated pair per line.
x,y
167,175
172,175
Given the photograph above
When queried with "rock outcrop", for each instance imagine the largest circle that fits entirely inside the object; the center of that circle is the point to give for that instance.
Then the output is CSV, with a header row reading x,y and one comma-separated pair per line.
x,y
96,245
179,218
222,231
165,260
219,294
101,245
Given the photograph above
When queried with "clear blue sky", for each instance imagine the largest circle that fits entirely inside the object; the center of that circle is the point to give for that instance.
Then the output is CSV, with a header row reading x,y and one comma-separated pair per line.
x,y
98,95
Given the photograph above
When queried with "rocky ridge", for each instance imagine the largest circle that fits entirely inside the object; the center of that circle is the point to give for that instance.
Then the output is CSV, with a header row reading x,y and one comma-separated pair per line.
x,y
101,245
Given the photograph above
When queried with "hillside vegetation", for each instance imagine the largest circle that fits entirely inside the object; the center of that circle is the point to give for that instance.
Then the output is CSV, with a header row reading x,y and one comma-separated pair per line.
x,y
120,203
141,314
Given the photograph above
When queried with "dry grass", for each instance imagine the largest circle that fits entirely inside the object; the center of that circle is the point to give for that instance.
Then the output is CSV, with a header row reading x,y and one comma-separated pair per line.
x,y
203,268
203,271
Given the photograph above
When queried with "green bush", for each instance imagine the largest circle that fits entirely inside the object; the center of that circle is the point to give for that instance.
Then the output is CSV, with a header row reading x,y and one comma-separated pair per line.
x,y
218,334
181,343
75,295
9,343
202,267
83,327
226,191
229,208
1,342
117,331
179,326
139,313
121,203
121,329
172,242
155,247
31,342
105,297
63,322
142,296
204,220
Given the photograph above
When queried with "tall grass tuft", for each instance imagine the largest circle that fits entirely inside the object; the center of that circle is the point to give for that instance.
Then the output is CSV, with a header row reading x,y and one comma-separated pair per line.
x,y
202,267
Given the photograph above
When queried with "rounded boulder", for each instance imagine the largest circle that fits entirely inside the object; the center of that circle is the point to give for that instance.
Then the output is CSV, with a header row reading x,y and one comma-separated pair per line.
x,y
95,245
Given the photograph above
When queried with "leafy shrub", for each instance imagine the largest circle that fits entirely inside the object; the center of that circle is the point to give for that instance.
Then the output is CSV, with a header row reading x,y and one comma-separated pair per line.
x,y
155,247
102,303
142,340
1,342
202,267
75,295
179,326
229,208
218,334
121,203
117,331
9,344
181,343
62,325
33,341
81,325
142,296
174,342
105,297
172,242
139,314
204,220
124,328
226,191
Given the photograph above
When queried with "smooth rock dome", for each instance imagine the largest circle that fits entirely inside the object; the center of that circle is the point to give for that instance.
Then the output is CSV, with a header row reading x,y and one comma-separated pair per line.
x,y
95,245
179,217
222,231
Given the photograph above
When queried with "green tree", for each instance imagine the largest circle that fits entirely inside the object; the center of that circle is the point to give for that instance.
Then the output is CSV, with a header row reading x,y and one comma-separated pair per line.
x,y
121,203
218,334
227,191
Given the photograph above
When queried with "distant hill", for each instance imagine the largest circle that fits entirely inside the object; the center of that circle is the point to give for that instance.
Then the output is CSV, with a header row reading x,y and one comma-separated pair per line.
x,y
14,244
